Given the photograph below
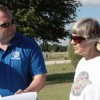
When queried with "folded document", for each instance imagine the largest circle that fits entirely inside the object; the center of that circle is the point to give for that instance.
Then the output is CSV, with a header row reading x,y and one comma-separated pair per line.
x,y
23,96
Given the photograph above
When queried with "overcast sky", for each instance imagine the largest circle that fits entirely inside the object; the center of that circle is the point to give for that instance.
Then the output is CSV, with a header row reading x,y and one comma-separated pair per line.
x,y
90,2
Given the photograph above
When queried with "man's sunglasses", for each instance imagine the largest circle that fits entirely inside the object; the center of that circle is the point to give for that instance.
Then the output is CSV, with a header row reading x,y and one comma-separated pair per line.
x,y
5,25
77,39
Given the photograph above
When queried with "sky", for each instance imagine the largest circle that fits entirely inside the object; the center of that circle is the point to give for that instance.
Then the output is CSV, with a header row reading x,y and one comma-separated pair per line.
x,y
90,8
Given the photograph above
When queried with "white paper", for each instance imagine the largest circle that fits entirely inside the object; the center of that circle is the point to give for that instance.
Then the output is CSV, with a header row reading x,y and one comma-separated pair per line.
x,y
23,96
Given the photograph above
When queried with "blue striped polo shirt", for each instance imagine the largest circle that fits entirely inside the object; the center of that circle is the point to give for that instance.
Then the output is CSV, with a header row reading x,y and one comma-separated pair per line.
x,y
19,63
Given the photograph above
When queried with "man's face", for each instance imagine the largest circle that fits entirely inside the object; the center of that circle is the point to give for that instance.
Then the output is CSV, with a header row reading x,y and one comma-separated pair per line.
x,y
7,27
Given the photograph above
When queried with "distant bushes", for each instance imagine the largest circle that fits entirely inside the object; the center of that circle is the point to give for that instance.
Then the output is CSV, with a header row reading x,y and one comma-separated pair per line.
x,y
52,48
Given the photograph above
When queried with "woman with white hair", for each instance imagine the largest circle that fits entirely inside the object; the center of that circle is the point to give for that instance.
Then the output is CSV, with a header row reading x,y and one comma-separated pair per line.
x,y
85,35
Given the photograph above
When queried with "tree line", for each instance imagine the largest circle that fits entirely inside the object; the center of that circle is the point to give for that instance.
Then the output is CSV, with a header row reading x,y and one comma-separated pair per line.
x,y
53,48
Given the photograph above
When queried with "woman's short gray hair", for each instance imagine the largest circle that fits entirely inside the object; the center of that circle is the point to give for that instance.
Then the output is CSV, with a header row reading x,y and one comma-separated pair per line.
x,y
88,28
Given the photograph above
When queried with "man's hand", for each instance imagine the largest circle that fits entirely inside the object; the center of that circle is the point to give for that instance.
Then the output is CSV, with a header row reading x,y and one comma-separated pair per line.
x,y
19,91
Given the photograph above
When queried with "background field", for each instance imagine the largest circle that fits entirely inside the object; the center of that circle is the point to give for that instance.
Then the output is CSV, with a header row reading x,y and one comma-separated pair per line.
x,y
58,83
55,55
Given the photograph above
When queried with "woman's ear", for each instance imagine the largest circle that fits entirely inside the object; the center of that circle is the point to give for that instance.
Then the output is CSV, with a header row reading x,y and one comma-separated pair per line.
x,y
93,44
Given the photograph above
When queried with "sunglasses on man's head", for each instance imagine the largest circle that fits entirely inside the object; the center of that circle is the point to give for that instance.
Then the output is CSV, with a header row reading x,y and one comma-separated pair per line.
x,y
77,39
4,25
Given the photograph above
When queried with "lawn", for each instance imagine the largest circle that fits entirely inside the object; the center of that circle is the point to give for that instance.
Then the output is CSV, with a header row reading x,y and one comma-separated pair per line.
x,y
58,83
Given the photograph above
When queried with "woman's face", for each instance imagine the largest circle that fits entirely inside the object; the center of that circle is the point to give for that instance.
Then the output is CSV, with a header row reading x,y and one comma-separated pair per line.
x,y
81,46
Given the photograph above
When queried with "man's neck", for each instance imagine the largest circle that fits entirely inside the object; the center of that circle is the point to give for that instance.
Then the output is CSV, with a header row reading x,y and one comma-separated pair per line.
x,y
4,46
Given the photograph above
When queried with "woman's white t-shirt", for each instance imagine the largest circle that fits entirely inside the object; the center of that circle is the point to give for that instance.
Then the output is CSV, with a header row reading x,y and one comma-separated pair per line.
x,y
86,84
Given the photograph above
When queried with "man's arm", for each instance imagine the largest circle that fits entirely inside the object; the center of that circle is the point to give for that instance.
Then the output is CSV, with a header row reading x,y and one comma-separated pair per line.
x,y
36,85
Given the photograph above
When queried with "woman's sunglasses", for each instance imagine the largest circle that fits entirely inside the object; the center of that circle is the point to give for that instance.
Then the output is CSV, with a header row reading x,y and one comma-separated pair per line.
x,y
77,39
5,25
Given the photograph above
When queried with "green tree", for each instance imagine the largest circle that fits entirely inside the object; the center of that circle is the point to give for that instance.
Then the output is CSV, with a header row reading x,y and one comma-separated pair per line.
x,y
44,47
62,48
55,47
43,19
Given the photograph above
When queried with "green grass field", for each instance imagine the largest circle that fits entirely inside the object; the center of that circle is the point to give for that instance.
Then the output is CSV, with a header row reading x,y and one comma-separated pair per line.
x,y
58,83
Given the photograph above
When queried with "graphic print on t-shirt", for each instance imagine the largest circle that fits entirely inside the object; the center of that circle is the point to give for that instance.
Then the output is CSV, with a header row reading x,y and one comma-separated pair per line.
x,y
80,83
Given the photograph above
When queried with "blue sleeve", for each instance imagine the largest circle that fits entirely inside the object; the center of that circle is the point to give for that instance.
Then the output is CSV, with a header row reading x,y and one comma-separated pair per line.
x,y
37,61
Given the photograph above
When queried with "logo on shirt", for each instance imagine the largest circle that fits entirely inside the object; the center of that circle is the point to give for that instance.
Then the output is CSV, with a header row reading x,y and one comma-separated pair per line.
x,y
15,55
80,83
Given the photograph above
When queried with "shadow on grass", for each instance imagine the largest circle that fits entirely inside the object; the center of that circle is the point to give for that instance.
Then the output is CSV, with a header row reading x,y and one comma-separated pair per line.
x,y
60,78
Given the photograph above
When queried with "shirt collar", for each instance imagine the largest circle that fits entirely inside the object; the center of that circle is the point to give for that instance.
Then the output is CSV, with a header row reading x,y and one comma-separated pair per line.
x,y
16,39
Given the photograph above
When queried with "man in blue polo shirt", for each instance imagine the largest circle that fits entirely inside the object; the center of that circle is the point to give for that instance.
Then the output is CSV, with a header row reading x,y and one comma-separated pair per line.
x,y
22,67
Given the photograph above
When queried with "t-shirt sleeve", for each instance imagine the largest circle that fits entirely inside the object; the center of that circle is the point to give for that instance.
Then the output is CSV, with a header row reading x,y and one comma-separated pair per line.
x,y
37,61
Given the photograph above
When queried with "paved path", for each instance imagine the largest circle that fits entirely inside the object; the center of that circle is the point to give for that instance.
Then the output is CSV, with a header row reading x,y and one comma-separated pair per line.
x,y
57,62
